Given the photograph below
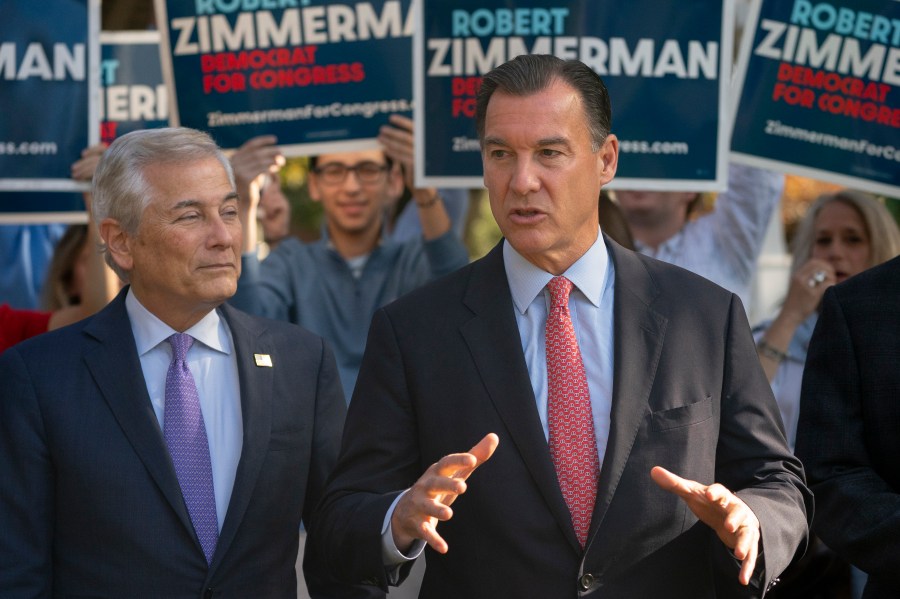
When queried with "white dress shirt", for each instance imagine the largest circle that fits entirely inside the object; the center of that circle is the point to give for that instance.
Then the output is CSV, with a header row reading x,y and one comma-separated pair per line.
x,y
213,364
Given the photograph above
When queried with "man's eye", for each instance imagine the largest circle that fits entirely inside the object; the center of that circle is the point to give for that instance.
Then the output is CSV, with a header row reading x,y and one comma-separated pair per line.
x,y
548,153
369,168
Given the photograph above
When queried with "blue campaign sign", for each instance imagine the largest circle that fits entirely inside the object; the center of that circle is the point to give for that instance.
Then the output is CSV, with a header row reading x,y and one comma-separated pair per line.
x,y
132,93
48,58
667,78
819,92
319,75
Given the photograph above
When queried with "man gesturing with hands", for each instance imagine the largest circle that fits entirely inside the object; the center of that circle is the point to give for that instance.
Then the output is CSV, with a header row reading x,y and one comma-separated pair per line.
x,y
624,439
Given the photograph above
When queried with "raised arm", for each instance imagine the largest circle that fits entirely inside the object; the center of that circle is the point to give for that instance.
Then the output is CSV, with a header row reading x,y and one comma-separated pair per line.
x,y
397,140
253,162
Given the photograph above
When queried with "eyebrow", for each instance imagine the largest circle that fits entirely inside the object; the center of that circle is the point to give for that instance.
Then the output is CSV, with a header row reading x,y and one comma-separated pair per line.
x,y
554,141
191,203
547,141
348,165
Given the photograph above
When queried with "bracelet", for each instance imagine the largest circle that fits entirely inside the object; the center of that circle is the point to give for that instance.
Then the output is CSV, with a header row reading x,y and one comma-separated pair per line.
x,y
430,202
771,352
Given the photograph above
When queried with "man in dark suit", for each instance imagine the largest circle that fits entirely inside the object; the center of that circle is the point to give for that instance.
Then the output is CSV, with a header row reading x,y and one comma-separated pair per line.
x,y
564,434
849,430
170,445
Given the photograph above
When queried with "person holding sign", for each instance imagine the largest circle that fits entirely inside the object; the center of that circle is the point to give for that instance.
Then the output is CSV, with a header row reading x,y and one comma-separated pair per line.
x,y
334,285
722,245
563,417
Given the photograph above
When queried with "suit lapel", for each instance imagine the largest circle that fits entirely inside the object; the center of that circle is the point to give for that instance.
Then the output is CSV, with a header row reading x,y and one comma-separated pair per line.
x,y
493,340
116,368
256,414
638,337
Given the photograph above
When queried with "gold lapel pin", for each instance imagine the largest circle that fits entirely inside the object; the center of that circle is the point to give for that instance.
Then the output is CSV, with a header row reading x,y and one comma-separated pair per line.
x,y
263,360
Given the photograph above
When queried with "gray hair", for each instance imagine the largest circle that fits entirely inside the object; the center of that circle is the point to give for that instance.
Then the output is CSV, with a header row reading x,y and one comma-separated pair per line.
x,y
121,191
532,73
884,236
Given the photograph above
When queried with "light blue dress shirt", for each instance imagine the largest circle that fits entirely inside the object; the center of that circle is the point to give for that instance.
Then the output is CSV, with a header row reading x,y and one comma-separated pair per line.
x,y
591,307
213,364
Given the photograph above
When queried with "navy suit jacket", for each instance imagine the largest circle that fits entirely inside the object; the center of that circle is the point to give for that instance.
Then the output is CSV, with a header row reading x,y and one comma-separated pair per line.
x,y
90,504
444,366
849,431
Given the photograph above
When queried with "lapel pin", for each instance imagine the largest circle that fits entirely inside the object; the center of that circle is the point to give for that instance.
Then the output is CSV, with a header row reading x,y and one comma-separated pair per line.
x,y
263,360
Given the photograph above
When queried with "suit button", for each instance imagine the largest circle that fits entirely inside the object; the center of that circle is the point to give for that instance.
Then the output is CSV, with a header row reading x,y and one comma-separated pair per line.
x,y
586,581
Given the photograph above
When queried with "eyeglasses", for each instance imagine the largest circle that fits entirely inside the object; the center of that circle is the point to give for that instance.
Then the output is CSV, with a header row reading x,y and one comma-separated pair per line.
x,y
367,172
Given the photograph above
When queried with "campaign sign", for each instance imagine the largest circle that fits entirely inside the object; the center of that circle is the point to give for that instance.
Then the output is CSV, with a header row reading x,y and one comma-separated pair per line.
x,y
132,93
48,59
666,65
319,75
820,92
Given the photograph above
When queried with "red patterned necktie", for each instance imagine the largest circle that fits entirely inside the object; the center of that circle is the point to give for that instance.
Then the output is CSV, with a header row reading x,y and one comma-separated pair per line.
x,y
573,446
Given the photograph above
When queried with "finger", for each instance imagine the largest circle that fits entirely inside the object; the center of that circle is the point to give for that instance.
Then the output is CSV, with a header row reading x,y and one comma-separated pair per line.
x,y
450,465
396,145
736,518
484,449
669,481
482,452
746,538
429,534
748,565
259,141
94,150
401,122
720,496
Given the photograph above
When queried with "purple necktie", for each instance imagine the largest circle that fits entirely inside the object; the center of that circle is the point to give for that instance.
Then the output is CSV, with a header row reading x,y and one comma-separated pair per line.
x,y
185,435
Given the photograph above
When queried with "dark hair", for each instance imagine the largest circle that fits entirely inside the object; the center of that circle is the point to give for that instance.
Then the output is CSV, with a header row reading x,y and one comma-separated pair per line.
x,y
531,73
58,292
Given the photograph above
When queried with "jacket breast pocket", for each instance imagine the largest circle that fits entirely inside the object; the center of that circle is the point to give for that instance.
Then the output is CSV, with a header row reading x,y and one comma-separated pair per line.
x,y
682,416
287,439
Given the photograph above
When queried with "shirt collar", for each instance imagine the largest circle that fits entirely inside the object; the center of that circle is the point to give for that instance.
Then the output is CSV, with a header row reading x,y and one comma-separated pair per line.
x,y
670,246
527,280
149,331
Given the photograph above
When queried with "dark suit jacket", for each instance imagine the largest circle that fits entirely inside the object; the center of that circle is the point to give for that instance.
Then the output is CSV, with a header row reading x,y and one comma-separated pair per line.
x,y
444,366
90,504
849,431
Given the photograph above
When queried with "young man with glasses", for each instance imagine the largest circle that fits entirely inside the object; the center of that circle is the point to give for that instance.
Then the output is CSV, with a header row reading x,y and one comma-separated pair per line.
x,y
334,285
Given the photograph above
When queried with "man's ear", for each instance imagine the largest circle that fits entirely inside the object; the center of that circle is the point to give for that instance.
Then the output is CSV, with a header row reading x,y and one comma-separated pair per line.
x,y
118,243
608,159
